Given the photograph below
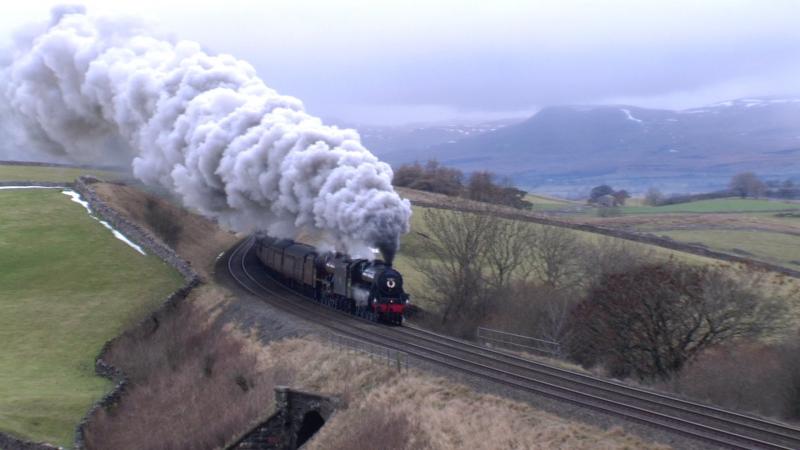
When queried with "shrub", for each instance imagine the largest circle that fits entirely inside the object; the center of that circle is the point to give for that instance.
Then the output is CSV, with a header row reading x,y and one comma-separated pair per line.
x,y
654,319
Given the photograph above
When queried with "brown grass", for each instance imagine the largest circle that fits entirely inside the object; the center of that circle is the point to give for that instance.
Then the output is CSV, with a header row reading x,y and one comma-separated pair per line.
x,y
192,385
200,240
754,377
428,412
197,385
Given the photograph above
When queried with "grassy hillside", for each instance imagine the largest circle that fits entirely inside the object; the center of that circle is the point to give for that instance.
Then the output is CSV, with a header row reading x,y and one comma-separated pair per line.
x,y
777,248
68,286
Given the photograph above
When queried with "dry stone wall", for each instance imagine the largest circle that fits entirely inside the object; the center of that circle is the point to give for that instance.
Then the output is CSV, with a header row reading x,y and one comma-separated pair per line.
x,y
138,234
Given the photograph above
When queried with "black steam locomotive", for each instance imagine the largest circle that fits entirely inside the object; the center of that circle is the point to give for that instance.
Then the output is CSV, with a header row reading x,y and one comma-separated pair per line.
x,y
370,289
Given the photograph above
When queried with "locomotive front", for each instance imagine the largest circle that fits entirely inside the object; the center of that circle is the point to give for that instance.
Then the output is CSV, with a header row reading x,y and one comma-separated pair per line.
x,y
386,294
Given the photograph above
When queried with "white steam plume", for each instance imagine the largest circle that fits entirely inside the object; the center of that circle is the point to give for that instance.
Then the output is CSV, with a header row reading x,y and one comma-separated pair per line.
x,y
203,126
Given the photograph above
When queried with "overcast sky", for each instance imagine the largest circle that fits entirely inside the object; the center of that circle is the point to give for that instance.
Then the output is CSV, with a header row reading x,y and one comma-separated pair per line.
x,y
394,62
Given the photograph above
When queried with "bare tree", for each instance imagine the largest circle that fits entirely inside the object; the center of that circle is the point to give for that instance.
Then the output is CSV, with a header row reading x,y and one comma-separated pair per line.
x,y
609,255
508,252
653,197
651,321
556,256
452,272
747,184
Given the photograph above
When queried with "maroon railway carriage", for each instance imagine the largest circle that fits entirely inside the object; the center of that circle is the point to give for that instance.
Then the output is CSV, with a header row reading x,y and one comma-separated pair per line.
x,y
370,289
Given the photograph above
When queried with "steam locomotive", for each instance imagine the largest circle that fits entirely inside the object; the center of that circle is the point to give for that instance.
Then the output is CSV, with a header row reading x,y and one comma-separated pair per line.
x,y
369,289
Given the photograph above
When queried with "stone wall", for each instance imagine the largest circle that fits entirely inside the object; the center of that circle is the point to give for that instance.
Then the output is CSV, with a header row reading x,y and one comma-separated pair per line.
x,y
282,429
8,442
150,243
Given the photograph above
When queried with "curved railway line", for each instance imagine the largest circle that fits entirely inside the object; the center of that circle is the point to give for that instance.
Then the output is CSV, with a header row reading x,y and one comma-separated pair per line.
x,y
709,424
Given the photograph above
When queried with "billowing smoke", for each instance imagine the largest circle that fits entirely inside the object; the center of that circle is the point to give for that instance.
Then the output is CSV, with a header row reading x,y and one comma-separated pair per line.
x,y
203,126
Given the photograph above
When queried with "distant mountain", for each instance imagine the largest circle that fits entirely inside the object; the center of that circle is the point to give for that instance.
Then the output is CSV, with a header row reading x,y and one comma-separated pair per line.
x,y
392,142
567,149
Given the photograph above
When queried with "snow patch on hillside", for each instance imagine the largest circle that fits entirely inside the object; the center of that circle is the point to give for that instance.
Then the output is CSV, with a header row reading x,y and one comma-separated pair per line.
x,y
75,197
629,116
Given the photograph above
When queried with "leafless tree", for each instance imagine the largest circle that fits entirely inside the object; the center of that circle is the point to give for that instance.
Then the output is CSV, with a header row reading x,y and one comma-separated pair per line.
x,y
556,256
456,243
747,184
653,197
508,252
470,260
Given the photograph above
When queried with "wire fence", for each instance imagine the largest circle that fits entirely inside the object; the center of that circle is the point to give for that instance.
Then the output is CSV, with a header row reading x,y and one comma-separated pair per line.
x,y
384,355
518,342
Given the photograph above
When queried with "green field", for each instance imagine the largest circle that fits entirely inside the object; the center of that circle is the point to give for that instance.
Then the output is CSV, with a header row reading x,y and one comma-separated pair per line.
x,y
67,286
542,199
54,174
723,205
777,248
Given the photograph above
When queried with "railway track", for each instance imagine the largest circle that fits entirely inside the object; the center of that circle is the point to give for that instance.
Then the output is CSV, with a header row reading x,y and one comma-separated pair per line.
x,y
709,424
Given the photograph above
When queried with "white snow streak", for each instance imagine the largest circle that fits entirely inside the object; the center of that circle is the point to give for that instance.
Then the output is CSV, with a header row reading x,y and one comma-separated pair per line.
x,y
75,197
630,117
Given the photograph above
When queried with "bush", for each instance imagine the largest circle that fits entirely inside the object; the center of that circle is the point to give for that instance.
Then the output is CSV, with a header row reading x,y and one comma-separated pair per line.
x,y
651,321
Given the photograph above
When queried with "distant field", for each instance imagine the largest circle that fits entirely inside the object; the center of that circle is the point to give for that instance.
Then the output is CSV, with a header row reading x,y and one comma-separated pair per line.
x,y
547,200
53,174
777,248
67,286
723,205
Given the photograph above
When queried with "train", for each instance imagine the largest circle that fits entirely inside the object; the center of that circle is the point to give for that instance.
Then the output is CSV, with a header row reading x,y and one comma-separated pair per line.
x,y
371,289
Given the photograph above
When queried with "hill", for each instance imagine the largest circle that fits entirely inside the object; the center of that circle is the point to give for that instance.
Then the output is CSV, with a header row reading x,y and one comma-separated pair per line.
x,y
566,149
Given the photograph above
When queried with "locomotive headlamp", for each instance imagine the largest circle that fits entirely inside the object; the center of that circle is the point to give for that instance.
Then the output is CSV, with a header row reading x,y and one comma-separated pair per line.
x,y
390,283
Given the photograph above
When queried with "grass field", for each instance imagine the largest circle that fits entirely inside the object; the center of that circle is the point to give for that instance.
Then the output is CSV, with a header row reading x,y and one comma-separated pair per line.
x,y
723,205
541,199
68,286
777,248
54,174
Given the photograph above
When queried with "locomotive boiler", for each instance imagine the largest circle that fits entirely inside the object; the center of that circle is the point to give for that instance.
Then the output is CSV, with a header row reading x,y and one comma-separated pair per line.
x,y
366,288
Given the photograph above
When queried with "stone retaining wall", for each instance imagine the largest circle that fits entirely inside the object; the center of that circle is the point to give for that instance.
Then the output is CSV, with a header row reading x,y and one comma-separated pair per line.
x,y
150,243
620,234
104,369
8,442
